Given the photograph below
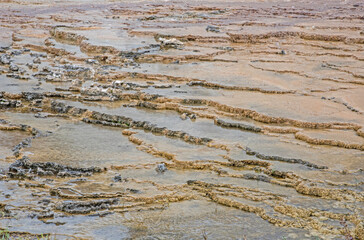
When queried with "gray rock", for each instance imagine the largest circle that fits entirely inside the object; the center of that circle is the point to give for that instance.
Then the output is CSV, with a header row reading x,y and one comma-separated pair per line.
x,y
161,168
212,29
5,59
37,60
13,67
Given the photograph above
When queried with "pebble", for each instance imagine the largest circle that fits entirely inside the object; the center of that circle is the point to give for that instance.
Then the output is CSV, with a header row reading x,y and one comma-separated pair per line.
x,y
161,168
37,60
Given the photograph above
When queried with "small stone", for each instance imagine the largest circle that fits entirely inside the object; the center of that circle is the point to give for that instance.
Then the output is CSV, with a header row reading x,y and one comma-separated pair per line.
x,y
16,52
41,115
283,52
192,116
13,67
3,49
161,168
91,61
5,59
212,29
171,43
118,178
183,116
45,201
37,60
132,190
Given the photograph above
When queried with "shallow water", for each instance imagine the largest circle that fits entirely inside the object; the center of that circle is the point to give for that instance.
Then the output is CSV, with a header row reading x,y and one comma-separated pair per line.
x,y
182,120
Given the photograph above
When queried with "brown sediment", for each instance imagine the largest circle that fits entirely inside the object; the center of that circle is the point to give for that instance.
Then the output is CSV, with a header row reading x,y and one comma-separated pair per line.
x,y
67,36
280,129
360,132
316,141
211,191
129,115
28,235
254,38
163,103
289,179
48,49
336,194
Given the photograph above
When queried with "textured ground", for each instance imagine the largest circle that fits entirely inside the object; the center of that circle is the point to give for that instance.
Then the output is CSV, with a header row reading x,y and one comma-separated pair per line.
x,y
182,120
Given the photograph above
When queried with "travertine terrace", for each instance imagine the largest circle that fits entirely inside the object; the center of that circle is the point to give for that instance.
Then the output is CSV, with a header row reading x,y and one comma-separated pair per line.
x,y
182,119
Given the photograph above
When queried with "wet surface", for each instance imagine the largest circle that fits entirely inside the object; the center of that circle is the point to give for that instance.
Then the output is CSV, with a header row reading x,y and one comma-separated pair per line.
x,y
182,120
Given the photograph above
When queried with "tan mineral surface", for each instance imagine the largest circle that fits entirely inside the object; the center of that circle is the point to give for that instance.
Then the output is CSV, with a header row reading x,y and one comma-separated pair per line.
x,y
181,119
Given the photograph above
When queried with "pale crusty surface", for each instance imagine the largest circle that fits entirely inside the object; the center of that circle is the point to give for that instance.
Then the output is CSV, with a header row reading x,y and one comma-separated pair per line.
x,y
182,119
